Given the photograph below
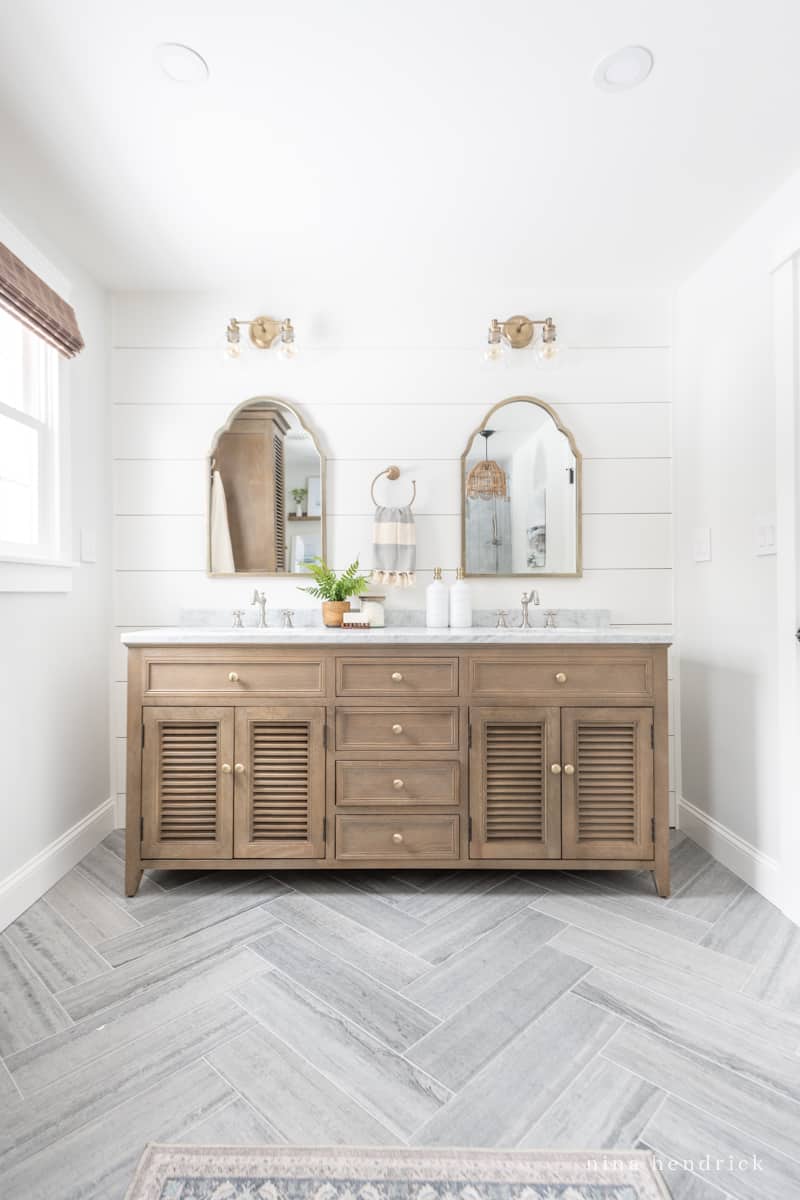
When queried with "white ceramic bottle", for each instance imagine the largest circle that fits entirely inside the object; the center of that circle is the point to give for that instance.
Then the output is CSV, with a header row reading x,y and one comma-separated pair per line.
x,y
437,602
460,602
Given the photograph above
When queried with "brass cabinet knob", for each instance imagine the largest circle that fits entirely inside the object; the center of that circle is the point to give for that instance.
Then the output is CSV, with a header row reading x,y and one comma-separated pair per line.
x,y
239,768
397,784
397,729
397,837
397,676
555,769
569,769
561,677
233,677
226,768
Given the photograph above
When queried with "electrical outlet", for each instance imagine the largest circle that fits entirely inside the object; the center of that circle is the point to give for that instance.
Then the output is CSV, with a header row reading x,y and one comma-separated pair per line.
x,y
765,535
701,544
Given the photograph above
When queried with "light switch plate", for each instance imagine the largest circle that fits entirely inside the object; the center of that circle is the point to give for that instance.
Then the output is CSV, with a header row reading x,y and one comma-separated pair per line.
x,y
765,541
88,546
701,544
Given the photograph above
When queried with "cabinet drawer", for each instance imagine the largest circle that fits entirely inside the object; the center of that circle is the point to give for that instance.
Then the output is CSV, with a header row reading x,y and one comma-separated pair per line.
x,y
400,837
562,675
275,677
400,782
403,677
397,729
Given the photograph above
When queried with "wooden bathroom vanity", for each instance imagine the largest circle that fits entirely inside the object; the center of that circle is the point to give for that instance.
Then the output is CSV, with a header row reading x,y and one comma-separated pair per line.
x,y
393,748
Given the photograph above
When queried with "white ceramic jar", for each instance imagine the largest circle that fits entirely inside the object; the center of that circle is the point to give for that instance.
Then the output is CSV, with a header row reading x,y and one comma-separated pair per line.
x,y
373,612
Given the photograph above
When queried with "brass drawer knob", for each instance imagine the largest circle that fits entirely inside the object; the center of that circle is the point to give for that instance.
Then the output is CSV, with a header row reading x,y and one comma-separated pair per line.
x,y
397,837
397,784
239,768
555,769
397,676
561,677
569,769
226,768
397,729
233,677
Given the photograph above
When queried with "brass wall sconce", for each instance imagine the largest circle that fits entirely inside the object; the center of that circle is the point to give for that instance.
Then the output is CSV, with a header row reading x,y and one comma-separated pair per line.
x,y
265,332
516,333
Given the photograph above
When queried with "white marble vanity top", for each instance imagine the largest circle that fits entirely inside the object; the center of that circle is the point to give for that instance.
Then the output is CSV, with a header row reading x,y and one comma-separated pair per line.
x,y
392,635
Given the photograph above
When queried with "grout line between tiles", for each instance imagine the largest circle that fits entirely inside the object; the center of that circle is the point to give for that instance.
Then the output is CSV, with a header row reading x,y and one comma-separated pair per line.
x,y
583,1070
336,1084
14,951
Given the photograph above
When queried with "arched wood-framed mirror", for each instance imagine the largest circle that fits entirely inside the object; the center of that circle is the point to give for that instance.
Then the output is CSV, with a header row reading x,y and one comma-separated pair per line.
x,y
521,493
266,492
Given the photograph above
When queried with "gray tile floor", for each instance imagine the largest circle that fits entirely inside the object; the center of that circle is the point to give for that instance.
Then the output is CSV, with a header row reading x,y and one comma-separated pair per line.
x,y
463,1009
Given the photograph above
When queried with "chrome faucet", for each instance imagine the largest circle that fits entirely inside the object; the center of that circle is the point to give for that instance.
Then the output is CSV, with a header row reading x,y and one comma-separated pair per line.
x,y
527,598
238,613
261,600
550,618
502,623
286,618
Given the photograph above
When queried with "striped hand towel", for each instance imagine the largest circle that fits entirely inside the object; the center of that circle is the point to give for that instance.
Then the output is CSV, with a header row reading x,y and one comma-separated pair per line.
x,y
394,539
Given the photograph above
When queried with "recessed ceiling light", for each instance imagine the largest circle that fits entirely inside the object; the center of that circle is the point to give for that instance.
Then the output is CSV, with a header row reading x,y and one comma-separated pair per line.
x,y
625,68
181,64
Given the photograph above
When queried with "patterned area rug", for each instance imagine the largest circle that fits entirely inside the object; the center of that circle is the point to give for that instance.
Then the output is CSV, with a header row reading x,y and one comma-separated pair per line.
x,y
294,1173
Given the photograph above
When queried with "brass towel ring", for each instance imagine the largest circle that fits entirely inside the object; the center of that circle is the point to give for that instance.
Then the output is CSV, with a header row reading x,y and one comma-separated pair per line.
x,y
392,473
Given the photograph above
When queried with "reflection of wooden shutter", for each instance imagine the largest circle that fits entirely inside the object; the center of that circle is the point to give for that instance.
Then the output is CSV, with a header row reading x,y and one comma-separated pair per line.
x,y
186,798
515,798
608,801
280,503
280,794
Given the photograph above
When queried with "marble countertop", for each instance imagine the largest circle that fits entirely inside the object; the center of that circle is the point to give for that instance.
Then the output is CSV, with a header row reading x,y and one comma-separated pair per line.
x,y
393,635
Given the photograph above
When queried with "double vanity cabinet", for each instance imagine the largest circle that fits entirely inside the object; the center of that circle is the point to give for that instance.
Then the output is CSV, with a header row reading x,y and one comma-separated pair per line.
x,y
329,749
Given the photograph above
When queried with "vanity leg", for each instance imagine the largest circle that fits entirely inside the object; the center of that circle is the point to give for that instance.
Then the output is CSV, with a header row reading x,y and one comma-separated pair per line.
x,y
133,877
661,878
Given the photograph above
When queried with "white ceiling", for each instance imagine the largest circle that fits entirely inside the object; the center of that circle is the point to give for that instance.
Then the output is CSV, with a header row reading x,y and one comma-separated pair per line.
x,y
456,139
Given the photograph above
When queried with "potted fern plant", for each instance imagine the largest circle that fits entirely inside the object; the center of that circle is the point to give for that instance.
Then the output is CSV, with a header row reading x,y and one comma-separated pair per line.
x,y
335,590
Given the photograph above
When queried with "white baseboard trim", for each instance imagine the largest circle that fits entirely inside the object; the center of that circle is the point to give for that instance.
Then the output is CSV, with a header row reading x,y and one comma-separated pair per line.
x,y
745,860
119,811
19,890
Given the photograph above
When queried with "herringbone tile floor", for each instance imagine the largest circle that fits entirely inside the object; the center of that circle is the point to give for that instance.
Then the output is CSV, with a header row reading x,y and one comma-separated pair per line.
x,y
463,1009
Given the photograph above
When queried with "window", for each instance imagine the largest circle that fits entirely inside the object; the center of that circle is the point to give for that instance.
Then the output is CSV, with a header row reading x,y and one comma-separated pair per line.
x,y
30,483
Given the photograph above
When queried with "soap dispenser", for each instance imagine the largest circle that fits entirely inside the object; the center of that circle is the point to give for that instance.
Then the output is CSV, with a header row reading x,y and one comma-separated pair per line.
x,y
460,602
436,602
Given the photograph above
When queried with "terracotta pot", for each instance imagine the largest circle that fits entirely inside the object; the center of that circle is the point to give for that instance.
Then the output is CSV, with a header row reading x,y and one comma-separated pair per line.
x,y
333,611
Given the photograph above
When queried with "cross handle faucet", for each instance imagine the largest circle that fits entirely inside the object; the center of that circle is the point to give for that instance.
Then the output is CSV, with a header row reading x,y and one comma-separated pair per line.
x,y
260,599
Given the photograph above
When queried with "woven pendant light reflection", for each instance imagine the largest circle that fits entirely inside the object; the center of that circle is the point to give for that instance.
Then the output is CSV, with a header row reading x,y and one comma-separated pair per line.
x,y
487,479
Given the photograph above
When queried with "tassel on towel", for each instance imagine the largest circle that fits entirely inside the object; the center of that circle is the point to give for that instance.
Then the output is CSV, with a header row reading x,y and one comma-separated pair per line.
x,y
394,537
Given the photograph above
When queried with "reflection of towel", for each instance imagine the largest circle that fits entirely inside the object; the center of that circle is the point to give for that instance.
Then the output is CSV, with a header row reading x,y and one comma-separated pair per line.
x,y
394,537
221,548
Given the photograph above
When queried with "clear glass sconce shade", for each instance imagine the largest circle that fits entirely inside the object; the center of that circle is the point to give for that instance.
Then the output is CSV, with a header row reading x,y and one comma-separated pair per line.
x,y
287,346
548,355
495,351
232,346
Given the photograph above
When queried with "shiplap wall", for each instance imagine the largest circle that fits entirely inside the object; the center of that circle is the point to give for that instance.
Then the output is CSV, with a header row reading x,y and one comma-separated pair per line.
x,y
396,380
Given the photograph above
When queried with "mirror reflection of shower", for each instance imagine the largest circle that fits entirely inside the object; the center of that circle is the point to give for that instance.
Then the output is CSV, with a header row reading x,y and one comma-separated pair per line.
x,y
521,506
488,482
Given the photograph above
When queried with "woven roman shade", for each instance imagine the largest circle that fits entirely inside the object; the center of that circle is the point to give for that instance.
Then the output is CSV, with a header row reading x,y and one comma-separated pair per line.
x,y
35,304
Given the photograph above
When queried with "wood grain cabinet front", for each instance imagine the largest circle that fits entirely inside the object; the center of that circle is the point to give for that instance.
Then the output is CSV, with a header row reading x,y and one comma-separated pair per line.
x,y
399,782
397,728
406,678
483,756
396,837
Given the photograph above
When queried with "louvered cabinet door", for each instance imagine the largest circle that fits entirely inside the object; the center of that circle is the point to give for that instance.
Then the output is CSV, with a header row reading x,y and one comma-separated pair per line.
x,y
515,798
608,796
187,797
279,799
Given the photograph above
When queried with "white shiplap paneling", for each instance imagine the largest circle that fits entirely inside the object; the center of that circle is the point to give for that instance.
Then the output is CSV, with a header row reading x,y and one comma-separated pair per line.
x,y
413,402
